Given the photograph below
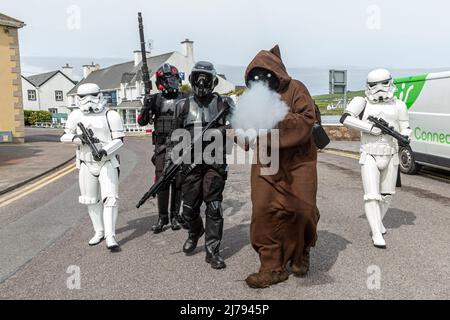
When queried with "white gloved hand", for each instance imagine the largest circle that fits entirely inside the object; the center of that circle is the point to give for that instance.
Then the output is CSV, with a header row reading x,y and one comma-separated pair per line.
x,y
376,131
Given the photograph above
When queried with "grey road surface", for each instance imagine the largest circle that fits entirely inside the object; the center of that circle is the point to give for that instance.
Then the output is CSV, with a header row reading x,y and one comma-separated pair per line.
x,y
45,235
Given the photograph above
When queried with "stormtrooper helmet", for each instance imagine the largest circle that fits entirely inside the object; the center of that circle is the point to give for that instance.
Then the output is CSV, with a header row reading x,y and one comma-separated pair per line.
x,y
380,86
90,99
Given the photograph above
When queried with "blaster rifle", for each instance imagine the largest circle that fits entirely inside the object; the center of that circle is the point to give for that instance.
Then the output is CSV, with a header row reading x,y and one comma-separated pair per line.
x,y
145,71
173,169
385,128
89,139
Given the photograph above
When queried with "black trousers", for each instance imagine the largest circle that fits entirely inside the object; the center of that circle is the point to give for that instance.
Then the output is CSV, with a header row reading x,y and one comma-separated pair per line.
x,y
205,184
172,192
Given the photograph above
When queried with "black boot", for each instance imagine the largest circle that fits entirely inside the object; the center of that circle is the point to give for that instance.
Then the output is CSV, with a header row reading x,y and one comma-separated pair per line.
x,y
196,230
175,205
213,237
175,225
163,220
163,208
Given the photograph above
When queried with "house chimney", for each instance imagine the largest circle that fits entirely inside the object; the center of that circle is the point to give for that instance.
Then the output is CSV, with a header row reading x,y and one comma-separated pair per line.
x,y
89,68
67,70
138,57
187,49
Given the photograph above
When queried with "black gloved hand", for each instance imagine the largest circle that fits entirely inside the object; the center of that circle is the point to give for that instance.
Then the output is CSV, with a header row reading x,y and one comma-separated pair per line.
x,y
102,153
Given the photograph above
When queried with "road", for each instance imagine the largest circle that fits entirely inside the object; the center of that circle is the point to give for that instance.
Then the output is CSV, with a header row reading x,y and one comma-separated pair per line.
x,y
46,232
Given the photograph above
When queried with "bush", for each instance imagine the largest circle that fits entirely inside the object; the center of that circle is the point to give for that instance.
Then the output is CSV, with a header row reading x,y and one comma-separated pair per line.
x,y
32,116
185,88
237,92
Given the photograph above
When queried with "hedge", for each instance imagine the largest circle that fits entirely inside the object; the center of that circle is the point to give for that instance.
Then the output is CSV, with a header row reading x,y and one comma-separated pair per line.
x,y
32,116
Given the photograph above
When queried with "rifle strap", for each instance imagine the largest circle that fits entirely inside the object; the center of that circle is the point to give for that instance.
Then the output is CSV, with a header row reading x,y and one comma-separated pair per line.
x,y
107,121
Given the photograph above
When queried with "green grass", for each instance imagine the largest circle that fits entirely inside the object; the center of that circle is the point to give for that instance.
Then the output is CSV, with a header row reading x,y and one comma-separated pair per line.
x,y
326,99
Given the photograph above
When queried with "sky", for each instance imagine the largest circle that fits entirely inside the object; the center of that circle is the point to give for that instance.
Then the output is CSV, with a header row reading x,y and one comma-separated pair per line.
x,y
319,33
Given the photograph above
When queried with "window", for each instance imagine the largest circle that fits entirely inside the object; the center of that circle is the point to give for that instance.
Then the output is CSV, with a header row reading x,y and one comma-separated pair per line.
x,y
53,110
31,95
110,97
59,95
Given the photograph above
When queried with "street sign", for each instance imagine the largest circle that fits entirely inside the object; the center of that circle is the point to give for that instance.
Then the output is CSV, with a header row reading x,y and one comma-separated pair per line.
x,y
338,81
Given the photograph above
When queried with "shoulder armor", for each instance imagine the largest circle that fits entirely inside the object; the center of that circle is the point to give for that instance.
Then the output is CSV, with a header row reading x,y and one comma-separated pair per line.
x,y
356,106
115,124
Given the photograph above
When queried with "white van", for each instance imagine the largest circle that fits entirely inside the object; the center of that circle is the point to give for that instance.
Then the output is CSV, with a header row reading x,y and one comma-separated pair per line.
x,y
428,100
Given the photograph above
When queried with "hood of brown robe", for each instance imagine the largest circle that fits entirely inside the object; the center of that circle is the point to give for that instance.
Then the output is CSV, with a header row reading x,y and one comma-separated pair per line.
x,y
271,60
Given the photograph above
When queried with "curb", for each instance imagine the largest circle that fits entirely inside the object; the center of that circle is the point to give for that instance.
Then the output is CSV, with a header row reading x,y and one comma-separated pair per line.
x,y
21,184
342,150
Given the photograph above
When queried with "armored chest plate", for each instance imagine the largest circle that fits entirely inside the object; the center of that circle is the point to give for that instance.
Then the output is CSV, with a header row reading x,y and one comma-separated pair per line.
x,y
201,114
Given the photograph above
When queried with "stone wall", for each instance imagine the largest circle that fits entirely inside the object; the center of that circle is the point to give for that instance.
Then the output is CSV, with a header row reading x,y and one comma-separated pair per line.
x,y
12,118
338,132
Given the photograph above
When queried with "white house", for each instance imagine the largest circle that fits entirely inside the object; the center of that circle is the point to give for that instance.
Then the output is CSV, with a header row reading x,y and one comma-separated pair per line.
x,y
122,83
48,91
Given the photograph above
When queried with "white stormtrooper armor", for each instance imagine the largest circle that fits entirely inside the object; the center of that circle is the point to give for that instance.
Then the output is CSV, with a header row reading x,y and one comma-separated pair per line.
x,y
98,178
379,152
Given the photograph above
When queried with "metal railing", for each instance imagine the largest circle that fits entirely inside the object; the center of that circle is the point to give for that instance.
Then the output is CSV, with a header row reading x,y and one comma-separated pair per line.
x,y
49,125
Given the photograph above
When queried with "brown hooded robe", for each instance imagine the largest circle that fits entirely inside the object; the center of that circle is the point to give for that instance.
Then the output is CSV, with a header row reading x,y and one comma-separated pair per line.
x,y
285,215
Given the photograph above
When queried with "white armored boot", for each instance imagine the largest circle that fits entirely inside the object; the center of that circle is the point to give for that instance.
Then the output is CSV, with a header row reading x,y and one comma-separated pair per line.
x,y
96,215
110,217
373,215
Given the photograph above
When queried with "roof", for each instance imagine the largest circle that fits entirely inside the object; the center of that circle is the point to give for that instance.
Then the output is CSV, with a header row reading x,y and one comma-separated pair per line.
x,y
39,79
110,78
10,22
133,104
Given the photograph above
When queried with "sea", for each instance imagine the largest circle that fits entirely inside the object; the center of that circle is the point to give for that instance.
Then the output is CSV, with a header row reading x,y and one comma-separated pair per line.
x,y
316,79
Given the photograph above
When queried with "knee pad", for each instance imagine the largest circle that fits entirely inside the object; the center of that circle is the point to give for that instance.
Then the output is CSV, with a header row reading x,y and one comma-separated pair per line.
x,y
111,202
88,200
386,197
214,210
188,213
373,196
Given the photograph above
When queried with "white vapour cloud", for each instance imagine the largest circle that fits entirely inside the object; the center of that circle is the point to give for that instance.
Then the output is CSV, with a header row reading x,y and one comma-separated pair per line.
x,y
259,108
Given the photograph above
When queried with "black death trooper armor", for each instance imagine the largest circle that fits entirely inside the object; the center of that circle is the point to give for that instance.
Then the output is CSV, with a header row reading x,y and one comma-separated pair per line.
x,y
204,182
161,112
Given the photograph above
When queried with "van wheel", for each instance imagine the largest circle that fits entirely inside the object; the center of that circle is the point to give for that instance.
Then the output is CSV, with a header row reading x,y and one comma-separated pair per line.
x,y
408,164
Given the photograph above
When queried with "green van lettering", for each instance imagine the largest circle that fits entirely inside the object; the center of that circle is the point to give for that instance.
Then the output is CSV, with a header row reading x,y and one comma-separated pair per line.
x,y
417,135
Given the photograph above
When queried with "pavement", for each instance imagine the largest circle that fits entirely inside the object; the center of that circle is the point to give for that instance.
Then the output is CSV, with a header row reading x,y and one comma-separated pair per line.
x,y
41,152
44,243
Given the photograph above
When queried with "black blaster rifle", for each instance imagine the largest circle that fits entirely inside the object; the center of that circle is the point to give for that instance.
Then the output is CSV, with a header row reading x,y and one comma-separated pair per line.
x,y
89,139
173,169
385,128
145,72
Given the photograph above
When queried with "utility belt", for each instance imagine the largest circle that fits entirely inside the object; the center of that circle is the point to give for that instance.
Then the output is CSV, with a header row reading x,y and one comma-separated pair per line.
x,y
379,149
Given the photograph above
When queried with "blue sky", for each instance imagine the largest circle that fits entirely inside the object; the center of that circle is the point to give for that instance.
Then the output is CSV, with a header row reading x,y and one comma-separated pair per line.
x,y
397,34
